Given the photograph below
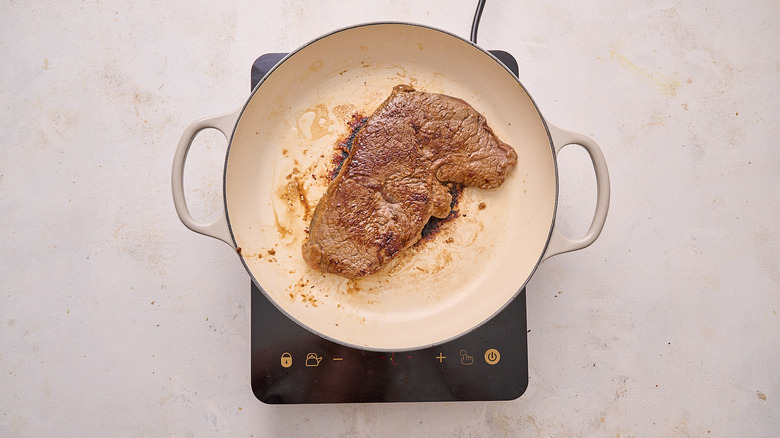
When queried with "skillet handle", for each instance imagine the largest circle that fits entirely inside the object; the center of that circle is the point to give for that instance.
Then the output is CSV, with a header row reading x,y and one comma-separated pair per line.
x,y
219,228
560,244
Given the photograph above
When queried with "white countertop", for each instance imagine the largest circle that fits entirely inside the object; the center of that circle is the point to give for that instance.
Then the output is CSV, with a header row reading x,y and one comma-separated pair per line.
x,y
115,320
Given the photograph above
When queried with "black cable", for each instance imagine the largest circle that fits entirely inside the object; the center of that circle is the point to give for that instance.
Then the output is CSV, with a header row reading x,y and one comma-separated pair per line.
x,y
475,23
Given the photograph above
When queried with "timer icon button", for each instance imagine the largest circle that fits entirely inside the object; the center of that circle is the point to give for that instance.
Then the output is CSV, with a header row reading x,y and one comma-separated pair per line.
x,y
492,356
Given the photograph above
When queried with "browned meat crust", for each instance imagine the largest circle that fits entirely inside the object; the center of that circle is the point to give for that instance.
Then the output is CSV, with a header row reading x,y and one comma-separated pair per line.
x,y
391,183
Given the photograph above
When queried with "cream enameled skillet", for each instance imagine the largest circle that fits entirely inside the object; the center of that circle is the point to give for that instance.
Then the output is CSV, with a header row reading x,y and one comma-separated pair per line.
x,y
280,145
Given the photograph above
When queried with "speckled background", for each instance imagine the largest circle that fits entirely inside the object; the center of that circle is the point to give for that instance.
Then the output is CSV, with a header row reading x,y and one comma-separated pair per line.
x,y
115,320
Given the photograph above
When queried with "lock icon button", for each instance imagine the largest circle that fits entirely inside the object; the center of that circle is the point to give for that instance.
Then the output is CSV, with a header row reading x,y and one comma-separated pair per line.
x,y
286,360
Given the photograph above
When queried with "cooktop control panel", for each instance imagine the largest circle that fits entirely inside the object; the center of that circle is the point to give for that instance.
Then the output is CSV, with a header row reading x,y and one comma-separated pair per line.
x,y
291,365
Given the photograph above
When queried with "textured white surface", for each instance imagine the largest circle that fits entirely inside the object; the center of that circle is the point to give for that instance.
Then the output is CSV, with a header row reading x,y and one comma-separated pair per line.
x,y
117,321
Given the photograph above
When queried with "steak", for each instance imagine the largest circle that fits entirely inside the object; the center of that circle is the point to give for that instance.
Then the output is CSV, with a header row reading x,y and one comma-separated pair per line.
x,y
391,183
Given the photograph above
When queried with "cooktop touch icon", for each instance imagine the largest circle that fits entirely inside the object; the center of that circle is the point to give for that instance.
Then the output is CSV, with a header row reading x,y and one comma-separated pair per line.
x,y
286,360
312,360
465,359
492,356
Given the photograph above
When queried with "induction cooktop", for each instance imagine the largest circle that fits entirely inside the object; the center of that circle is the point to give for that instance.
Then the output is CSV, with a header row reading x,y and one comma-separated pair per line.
x,y
292,365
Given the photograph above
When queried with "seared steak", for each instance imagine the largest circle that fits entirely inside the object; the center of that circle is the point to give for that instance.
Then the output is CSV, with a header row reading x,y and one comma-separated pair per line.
x,y
391,183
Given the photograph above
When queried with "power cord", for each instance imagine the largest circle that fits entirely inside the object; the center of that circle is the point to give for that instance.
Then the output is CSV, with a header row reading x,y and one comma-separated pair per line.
x,y
475,23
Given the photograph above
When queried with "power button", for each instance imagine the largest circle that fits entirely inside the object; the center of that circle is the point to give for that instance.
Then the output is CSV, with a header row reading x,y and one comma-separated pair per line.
x,y
492,356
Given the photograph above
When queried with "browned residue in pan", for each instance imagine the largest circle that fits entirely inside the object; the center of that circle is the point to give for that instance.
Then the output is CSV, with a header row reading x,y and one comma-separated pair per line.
x,y
352,287
284,232
313,123
293,193
296,186
269,256
303,290
443,258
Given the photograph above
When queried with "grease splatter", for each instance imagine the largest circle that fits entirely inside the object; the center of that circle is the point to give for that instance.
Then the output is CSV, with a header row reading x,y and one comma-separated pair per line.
x,y
664,84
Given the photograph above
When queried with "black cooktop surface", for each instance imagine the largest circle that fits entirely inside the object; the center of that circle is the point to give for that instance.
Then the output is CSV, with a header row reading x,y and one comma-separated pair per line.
x,y
292,365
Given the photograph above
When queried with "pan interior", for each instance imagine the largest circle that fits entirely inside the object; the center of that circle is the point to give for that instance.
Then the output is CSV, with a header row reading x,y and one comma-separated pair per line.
x,y
281,153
